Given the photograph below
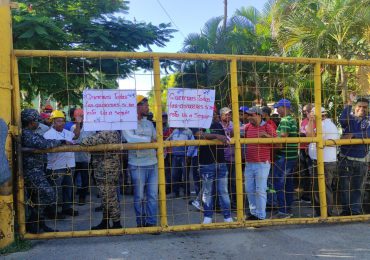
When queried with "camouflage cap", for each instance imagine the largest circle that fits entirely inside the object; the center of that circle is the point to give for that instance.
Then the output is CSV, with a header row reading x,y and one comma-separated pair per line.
x,y
30,115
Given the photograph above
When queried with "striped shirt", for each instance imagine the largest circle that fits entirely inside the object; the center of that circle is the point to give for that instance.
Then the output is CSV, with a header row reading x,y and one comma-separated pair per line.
x,y
259,152
288,125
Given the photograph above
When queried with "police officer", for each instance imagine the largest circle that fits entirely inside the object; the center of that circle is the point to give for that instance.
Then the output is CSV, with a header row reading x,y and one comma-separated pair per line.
x,y
106,172
38,188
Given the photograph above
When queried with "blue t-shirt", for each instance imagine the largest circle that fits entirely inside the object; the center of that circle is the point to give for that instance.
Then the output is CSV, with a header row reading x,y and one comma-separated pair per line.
x,y
359,127
69,125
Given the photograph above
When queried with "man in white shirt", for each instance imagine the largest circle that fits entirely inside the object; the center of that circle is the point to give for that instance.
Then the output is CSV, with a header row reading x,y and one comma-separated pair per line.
x,y
143,167
329,131
60,166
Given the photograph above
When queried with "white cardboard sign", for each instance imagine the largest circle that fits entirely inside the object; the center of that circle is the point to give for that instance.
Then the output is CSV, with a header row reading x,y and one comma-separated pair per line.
x,y
190,107
109,109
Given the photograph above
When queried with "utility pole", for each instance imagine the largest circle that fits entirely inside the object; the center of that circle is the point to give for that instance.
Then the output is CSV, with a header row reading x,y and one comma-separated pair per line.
x,y
225,13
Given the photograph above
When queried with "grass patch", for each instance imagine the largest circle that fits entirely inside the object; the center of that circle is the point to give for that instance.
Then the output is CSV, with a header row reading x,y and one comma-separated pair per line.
x,y
19,245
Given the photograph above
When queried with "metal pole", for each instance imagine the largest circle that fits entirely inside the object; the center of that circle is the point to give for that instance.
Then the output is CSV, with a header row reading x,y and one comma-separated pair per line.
x,y
320,142
6,194
184,56
160,149
20,205
238,155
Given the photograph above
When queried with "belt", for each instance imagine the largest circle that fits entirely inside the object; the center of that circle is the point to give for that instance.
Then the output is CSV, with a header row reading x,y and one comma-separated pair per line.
x,y
315,161
353,158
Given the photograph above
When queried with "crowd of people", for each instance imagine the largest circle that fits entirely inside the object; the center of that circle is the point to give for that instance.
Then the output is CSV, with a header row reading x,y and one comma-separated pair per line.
x,y
50,179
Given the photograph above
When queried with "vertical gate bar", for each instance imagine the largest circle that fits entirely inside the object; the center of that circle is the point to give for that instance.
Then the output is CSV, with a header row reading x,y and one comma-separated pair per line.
x,y
160,149
6,188
21,216
320,142
238,155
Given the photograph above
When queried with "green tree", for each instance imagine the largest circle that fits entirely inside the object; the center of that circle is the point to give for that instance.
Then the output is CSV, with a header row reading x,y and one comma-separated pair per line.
x,y
79,25
247,32
166,83
336,29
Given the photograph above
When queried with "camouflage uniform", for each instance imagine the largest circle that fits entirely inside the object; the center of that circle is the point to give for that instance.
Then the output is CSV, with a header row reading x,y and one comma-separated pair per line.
x,y
106,172
35,180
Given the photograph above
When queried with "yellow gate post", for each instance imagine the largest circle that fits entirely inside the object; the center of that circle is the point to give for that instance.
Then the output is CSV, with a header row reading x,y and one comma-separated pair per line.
x,y
238,155
6,192
320,142
160,155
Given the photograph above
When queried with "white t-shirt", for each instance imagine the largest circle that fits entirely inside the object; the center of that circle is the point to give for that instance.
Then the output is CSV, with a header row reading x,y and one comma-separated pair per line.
x,y
82,156
330,131
60,160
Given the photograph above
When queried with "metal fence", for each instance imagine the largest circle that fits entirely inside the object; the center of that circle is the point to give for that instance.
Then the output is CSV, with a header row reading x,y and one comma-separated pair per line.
x,y
171,208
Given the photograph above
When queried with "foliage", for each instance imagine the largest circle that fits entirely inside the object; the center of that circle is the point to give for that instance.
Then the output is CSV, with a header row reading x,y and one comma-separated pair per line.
x,y
166,83
79,25
309,28
246,32
328,29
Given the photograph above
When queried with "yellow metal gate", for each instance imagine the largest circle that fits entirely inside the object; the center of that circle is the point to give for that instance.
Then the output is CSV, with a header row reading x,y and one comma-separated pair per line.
x,y
10,97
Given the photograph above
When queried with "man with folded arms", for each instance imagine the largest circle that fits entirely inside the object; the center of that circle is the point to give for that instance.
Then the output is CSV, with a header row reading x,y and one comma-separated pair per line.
x,y
258,164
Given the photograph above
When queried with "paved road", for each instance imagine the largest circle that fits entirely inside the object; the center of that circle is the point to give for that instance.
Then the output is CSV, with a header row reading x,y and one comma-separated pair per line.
x,y
326,241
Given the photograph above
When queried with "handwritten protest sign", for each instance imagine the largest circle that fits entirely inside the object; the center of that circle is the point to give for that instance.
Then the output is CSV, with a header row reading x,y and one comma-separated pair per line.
x,y
109,109
190,107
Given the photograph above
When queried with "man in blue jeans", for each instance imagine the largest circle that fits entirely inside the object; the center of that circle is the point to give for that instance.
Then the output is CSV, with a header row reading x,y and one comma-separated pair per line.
x,y
213,170
353,167
286,160
143,167
179,169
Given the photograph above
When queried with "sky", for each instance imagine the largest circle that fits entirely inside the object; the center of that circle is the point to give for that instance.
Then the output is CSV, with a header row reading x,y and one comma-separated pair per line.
x,y
186,16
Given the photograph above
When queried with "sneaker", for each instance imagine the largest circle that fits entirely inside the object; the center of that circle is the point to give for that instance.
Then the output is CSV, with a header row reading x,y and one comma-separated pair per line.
x,y
305,201
252,217
197,205
70,212
228,220
207,220
54,215
283,215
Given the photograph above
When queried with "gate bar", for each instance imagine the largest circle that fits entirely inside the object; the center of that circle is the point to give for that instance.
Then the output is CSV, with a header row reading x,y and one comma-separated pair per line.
x,y
184,56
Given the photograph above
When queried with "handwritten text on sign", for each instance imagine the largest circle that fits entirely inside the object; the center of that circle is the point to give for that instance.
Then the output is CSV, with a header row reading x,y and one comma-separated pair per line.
x,y
109,109
190,107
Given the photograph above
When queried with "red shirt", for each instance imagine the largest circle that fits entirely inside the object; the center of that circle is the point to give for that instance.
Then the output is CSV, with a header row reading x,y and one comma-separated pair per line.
x,y
259,152
272,124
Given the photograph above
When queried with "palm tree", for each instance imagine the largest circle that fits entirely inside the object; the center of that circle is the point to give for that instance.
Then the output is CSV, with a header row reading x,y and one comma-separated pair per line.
x,y
326,29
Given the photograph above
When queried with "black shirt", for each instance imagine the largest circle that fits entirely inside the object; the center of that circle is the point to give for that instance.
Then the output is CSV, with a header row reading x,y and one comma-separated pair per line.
x,y
209,154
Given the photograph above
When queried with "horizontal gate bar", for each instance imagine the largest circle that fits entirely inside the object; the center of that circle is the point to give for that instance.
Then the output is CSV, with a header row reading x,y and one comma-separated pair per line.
x,y
141,146
195,227
183,56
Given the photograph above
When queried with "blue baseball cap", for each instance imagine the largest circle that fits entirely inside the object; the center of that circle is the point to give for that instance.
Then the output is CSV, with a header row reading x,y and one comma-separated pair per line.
x,y
282,103
244,109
